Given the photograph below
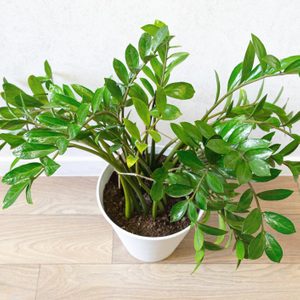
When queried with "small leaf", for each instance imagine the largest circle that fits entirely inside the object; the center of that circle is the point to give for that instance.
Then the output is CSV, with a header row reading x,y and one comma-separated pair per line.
x,y
155,135
113,88
248,62
260,50
161,99
259,167
180,90
13,193
132,59
198,239
273,249
131,160
192,212
211,230
28,194
243,172
145,47
157,191
121,70
141,146
276,194
161,34
50,165
245,200
272,61
178,210
47,69
294,67
30,151
240,250
201,200
279,222
218,146
253,222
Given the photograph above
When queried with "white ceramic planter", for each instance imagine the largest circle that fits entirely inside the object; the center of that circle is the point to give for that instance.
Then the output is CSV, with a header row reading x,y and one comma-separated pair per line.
x,y
147,249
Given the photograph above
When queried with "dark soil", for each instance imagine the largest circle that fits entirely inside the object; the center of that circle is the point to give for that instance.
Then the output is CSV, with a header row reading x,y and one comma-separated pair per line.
x,y
114,205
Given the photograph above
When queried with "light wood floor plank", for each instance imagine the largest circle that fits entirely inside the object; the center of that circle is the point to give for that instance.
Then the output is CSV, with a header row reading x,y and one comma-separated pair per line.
x,y
54,239
154,281
18,282
57,196
185,252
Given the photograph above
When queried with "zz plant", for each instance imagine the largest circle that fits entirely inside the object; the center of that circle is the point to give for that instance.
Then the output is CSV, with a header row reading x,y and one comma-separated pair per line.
x,y
208,160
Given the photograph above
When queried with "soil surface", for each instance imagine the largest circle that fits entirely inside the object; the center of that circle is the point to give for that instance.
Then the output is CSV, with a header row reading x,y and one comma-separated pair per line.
x,y
114,205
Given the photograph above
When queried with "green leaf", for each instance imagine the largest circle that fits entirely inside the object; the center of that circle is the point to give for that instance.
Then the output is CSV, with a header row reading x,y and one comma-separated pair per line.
x,y
189,159
273,174
113,88
150,29
252,222
201,200
248,62
132,59
65,101
273,249
148,86
294,67
37,88
234,76
205,129
181,134
13,193
159,37
179,57
279,222
218,146
231,159
254,144
82,113
180,90
157,191
192,130
145,47
131,160
142,110
161,99
260,51
257,246
178,190
192,212
178,210
42,136
11,139
259,167
170,113
276,194
50,165
62,145
28,194
136,91
48,69
22,173
211,230
73,130
218,86
155,135
273,62
141,146
83,91
212,246
240,250
243,172
214,182
121,70
132,129
48,120
30,151
258,154
198,239
245,200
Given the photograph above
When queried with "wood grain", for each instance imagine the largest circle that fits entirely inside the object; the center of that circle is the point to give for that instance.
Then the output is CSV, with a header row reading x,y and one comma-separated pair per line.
x,y
57,196
155,281
185,252
18,282
54,239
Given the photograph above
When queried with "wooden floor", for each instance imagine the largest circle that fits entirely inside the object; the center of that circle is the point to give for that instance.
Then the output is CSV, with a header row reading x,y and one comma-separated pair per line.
x,y
61,248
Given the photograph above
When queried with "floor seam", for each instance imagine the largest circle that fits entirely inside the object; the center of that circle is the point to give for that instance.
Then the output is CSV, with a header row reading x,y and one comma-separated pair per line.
x,y
37,283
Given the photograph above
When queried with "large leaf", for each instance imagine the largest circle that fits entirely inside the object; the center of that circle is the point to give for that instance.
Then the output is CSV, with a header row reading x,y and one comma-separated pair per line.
x,y
157,191
142,110
257,246
144,48
190,159
13,193
132,129
22,173
30,151
279,222
178,190
243,172
259,167
113,88
218,146
253,222
132,60
276,194
214,182
272,248
178,210
159,37
180,90
42,136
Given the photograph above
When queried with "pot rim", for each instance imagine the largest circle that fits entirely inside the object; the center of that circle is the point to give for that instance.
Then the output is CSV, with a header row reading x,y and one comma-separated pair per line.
x,y
132,235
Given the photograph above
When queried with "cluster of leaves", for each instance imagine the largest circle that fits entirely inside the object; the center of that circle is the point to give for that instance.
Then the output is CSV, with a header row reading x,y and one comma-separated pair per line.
x,y
208,161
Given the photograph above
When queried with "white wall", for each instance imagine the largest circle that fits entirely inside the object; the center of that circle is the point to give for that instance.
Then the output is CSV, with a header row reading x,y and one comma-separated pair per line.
x,y
81,37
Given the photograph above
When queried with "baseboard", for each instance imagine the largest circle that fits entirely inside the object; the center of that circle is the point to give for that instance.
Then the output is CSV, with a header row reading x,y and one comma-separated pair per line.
x,y
89,166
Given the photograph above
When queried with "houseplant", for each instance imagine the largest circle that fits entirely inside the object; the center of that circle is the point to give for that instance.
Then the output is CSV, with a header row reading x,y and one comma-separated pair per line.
x,y
198,171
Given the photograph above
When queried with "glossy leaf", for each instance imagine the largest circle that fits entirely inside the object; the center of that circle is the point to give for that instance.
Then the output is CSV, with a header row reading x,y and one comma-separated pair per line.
x,y
253,222
198,239
132,129
276,194
142,110
132,60
157,191
214,182
13,193
273,248
189,159
178,210
50,165
180,90
178,190
257,246
121,70
30,151
279,222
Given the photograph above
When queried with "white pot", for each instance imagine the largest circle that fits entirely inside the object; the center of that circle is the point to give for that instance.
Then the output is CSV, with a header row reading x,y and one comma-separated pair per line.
x,y
147,249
